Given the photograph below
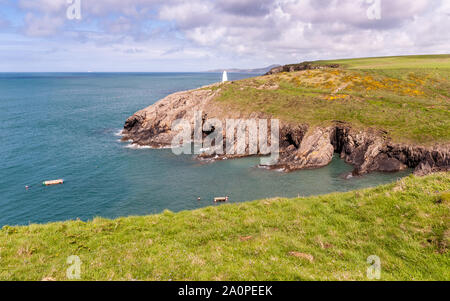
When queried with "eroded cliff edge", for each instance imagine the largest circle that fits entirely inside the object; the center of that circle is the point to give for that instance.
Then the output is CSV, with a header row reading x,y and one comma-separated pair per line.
x,y
301,146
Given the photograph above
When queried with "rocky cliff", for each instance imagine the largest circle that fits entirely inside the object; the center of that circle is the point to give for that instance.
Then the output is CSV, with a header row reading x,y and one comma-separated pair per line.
x,y
301,146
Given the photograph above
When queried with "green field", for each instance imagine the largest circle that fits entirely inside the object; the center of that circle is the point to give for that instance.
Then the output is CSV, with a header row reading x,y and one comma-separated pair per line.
x,y
408,97
330,237
395,62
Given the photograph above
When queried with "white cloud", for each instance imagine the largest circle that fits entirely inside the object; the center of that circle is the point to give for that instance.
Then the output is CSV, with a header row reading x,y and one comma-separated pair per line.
x,y
315,28
45,6
243,32
42,26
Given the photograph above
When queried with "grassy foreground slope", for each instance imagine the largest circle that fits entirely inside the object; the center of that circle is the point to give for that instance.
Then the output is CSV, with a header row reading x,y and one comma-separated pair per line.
x,y
408,97
326,237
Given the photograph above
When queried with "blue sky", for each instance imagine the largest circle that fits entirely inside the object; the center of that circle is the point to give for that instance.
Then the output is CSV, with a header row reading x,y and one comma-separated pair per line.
x,y
197,35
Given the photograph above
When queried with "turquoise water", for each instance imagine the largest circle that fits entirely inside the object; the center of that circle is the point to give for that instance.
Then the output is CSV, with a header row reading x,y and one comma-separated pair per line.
x,y
56,126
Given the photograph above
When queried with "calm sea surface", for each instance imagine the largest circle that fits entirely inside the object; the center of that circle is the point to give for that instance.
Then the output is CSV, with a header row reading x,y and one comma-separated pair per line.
x,y
63,125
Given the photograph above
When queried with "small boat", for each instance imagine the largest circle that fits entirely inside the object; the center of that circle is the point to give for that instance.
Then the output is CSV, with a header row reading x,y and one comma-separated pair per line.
x,y
53,182
220,199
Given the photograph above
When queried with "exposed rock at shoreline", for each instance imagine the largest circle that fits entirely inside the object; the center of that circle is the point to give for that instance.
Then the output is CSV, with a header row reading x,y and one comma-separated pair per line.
x,y
314,150
301,146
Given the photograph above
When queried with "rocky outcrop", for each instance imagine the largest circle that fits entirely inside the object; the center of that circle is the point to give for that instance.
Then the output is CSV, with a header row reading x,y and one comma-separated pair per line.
x,y
153,126
308,150
370,151
299,67
301,146
424,160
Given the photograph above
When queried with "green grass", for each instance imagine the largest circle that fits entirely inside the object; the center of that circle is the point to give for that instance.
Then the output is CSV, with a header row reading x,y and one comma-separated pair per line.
x,y
325,237
395,62
411,104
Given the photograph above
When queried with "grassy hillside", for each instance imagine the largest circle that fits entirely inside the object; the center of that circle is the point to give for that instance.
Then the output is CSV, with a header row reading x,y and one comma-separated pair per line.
x,y
326,237
408,97
395,62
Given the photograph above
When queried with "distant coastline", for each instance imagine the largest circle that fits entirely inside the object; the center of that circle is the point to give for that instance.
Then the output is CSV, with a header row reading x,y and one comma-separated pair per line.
x,y
235,70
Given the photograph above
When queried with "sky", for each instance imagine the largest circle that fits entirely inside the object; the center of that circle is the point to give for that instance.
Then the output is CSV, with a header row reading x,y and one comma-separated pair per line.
x,y
198,35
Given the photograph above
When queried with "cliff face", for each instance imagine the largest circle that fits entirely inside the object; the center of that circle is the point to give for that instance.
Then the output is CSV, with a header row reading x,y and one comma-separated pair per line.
x,y
367,151
152,126
301,146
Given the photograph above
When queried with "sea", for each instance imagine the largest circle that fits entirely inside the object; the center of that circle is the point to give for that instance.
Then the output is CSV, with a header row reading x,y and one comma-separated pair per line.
x,y
67,126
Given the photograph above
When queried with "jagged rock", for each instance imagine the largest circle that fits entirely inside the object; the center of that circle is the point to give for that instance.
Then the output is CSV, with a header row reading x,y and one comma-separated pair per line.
x,y
384,163
423,169
315,151
299,67
366,150
153,125
292,134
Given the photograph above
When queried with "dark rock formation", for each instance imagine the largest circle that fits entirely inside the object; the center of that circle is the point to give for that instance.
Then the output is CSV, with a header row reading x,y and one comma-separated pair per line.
x,y
299,67
424,160
314,150
366,150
